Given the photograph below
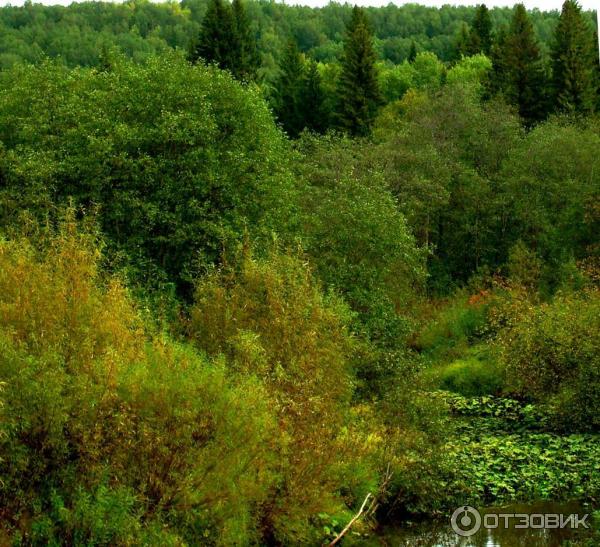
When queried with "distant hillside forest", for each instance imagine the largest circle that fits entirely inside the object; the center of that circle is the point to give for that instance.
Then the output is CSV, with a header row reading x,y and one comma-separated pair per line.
x,y
80,32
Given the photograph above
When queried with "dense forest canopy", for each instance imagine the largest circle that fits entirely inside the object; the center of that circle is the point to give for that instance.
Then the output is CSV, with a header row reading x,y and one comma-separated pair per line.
x,y
266,271
80,32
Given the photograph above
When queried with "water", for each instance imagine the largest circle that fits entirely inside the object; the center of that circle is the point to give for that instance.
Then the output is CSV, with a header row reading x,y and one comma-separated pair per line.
x,y
436,533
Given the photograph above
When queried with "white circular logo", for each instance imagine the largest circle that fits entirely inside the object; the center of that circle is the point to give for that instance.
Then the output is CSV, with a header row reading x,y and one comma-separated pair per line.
x,y
466,521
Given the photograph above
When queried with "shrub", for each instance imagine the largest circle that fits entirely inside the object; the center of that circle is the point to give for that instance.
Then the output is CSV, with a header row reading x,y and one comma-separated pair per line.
x,y
551,354
108,435
455,326
270,318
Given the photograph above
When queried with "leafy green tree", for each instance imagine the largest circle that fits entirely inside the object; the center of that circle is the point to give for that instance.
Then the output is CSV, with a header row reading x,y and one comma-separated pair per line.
x,y
551,190
472,71
428,71
181,158
358,87
518,71
359,241
573,62
441,158
396,80
480,36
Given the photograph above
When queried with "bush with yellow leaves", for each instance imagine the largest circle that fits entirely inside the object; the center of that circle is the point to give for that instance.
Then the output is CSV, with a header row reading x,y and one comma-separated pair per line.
x,y
108,434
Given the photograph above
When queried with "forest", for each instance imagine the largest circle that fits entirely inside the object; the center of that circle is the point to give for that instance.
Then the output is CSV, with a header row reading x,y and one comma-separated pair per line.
x,y
278,275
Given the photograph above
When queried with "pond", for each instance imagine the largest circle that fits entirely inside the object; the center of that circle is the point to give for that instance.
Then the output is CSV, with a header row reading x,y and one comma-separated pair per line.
x,y
498,527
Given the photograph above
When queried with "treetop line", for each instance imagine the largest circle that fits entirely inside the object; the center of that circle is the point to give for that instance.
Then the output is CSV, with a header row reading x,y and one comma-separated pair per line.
x,y
567,81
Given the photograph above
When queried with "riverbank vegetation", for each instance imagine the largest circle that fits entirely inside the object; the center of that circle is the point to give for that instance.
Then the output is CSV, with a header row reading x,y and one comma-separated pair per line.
x,y
212,333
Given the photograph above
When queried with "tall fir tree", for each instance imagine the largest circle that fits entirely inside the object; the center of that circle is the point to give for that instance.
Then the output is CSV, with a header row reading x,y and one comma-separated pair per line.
x,y
500,63
518,68
412,54
574,83
316,117
461,43
245,53
480,36
289,95
358,88
216,36
226,38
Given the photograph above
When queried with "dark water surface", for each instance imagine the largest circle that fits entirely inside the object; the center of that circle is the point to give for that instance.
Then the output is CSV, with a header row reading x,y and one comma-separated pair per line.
x,y
435,533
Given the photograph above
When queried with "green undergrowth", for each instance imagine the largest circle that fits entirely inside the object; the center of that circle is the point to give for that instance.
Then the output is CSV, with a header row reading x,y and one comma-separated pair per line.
x,y
476,374
503,450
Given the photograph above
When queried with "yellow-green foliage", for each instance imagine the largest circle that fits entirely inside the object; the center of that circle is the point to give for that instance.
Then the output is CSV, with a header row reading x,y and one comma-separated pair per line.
x,y
108,435
551,352
269,317
474,375
51,302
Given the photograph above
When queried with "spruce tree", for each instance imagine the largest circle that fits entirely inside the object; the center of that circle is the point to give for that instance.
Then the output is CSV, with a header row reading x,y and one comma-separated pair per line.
x,y
358,87
480,37
216,36
500,63
412,54
573,62
518,69
226,39
289,95
461,44
313,100
244,56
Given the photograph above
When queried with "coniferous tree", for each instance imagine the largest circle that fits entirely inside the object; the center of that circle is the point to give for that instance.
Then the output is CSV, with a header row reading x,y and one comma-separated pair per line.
x,y
462,41
289,96
518,69
313,100
358,87
573,62
215,40
244,51
412,54
480,37
226,39
497,80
